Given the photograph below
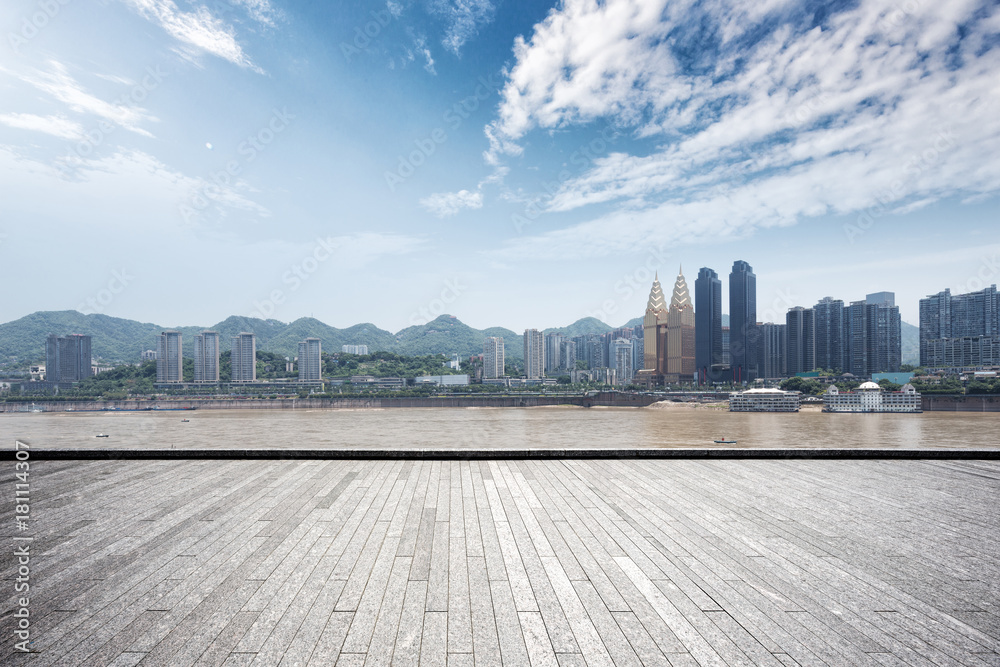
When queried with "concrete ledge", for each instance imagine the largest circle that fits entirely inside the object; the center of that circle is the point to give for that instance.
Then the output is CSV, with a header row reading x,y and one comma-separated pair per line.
x,y
487,454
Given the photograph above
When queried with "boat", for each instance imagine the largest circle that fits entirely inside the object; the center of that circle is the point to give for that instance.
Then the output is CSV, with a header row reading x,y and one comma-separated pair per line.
x,y
185,420
724,442
102,435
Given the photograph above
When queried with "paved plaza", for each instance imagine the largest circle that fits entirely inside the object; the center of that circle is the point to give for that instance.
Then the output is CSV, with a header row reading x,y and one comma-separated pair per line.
x,y
540,562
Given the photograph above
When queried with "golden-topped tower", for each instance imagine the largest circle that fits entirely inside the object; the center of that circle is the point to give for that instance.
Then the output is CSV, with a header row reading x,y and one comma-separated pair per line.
x,y
654,328
680,365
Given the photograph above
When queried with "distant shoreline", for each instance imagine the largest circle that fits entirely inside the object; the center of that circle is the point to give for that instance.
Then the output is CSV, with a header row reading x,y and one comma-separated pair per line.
x,y
606,399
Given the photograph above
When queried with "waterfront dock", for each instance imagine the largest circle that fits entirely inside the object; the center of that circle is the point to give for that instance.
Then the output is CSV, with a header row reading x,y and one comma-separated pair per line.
x,y
513,562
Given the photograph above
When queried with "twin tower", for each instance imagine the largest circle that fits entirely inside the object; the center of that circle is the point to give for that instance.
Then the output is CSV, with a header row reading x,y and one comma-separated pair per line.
x,y
668,336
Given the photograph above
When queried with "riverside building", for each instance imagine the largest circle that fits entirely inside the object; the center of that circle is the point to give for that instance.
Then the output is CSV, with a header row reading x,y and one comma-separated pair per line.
x,y
493,358
206,357
169,358
244,358
764,400
870,397
311,360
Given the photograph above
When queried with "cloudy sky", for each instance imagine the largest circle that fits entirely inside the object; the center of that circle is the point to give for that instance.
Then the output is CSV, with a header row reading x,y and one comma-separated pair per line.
x,y
506,162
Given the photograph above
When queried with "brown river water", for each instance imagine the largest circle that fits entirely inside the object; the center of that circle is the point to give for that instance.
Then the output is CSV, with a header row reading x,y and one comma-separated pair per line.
x,y
500,428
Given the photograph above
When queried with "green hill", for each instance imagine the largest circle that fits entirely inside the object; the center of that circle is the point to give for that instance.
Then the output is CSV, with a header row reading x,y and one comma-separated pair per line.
x,y
115,339
448,335
582,327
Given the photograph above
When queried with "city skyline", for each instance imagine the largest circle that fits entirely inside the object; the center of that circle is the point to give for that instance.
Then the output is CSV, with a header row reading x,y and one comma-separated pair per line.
x,y
437,160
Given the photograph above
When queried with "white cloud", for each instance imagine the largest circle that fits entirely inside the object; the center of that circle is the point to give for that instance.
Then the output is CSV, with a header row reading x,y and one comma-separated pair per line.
x,y
200,29
877,109
57,126
443,204
58,83
122,189
464,18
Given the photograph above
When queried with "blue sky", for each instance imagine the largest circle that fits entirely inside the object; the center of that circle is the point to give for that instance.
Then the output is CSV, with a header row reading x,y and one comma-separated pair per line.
x,y
510,163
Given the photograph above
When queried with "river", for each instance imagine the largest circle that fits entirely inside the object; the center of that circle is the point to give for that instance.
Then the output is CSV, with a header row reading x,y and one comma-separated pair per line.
x,y
500,428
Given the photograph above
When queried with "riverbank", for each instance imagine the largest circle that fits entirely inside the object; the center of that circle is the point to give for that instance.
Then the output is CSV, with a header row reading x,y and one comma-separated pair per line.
x,y
599,399
609,399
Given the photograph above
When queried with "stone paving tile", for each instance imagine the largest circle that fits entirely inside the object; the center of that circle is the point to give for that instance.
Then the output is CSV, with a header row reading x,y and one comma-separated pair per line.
x,y
550,563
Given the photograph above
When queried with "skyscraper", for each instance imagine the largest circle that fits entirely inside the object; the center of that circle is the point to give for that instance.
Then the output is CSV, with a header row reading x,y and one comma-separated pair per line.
x,y
961,330
553,352
873,336
244,358
206,357
169,357
771,350
311,360
742,321
708,325
654,331
680,365
567,352
829,322
622,352
67,358
534,354
493,358
800,331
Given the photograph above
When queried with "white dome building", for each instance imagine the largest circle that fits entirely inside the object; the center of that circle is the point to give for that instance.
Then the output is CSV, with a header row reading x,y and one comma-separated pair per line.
x,y
870,397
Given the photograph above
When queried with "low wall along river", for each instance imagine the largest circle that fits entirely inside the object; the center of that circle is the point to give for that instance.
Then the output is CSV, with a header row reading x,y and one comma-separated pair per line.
x,y
931,403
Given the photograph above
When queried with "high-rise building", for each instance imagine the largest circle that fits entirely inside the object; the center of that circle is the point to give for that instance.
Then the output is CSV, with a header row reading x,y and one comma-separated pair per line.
x,y
567,353
743,321
553,352
169,357
726,358
244,358
596,352
708,326
680,365
354,349
771,350
493,358
960,330
829,324
206,357
148,355
800,332
622,351
873,336
654,334
534,354
311,360
67,358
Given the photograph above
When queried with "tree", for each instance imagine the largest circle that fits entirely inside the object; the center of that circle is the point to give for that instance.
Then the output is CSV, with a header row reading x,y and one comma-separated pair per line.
x,y
804,385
